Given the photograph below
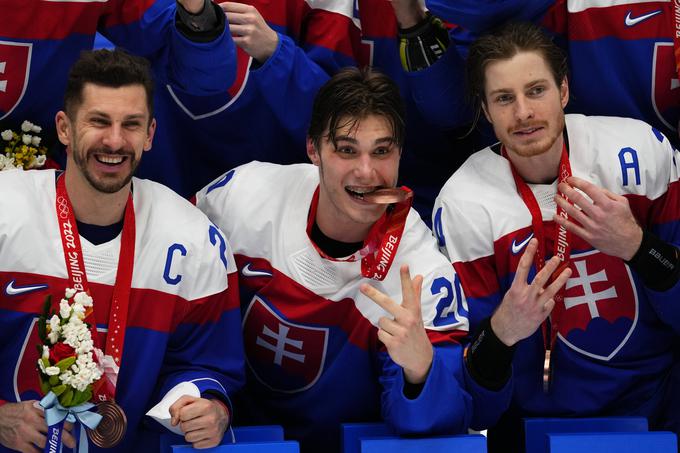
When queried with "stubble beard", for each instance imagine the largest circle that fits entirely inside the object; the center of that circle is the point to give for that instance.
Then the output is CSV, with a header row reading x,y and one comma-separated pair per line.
x,y
104,186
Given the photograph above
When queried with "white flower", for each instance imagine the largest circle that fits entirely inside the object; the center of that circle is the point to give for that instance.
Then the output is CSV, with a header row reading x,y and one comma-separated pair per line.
x,y
70,292
55,329
9,164
46,352
52,370
27,139
26,126
35,141
83,298
40,160
64,309
37,129
6,135
79,310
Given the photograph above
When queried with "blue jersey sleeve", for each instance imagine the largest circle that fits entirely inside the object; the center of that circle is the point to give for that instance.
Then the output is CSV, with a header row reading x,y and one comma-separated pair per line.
x,y
148,29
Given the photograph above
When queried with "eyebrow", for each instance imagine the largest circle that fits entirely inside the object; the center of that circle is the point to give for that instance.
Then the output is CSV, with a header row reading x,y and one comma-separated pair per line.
x,y
528,85
134,116
347,138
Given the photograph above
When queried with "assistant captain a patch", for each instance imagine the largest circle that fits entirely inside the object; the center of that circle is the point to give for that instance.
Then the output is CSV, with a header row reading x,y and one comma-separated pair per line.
x,y
600,308
283,355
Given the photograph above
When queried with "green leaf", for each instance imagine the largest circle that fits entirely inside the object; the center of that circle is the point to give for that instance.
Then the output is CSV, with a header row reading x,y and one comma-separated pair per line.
x,y
54,380
66,398
64,364
80,397
46,362
59,389
42,321
44,386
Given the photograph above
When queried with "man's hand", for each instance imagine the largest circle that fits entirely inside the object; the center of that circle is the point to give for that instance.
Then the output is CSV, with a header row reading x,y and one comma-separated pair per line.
x,y
23,427
525,306
606,222
192,6
404,336
408,12
250,31
202,421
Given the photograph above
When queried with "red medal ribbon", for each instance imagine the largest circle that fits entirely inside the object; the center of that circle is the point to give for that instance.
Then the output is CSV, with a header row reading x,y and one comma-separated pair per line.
x,y
562,247
381,243
75,265
676,34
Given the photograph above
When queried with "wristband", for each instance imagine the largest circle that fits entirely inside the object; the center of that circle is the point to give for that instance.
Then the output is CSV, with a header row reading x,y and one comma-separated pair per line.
x,y
205,26
656,262
488,359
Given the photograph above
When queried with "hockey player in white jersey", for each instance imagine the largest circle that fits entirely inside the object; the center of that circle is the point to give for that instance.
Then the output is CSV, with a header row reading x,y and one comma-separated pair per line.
x,y
600,195
162,278
350,313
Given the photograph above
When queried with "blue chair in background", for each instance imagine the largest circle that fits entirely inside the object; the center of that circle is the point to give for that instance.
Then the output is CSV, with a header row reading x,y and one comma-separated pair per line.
x,y
536,430
475,443
248,447
380,438
352,433
239,434
633,442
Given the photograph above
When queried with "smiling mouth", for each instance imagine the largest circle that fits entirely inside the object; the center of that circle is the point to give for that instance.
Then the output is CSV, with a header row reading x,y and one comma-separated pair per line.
x,y
110,159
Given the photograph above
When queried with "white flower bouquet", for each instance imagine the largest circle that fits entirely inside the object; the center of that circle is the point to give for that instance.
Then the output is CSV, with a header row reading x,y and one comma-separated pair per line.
x,y
22,150
68,363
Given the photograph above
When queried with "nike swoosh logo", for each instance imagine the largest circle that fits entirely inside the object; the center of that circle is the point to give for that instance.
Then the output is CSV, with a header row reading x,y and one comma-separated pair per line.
x,y
630,21
12,290
248,272
516,248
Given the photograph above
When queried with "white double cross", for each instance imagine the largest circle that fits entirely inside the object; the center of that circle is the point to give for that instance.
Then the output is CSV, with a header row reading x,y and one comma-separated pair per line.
x,y
589,297
282,340
3,83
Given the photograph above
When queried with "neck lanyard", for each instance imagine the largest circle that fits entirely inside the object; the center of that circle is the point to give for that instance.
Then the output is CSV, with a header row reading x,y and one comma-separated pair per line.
x,y
562,249
676,35
75,265
381,243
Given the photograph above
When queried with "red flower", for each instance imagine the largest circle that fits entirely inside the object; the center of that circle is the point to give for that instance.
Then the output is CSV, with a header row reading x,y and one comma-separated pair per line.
x,y
61,351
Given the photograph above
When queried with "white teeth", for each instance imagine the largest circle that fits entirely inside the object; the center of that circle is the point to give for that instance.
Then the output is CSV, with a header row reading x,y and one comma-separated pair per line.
x,y
360,190
109,159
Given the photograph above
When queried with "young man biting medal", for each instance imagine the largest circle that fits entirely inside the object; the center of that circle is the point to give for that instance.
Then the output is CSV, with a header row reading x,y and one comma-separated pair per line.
x,y
160,275
597,195
350,312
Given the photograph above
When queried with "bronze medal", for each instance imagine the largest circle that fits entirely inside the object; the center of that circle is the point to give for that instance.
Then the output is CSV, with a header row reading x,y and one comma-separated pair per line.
x,y
111,428
387,195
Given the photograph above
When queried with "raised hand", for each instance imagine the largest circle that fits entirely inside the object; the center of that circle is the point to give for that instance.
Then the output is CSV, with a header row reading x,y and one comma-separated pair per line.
x,y
606,222
250,31
526,305
404,336
202,421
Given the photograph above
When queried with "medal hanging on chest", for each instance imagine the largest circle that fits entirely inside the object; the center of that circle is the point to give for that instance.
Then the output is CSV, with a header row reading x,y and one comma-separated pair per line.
x,y
113,425
561,249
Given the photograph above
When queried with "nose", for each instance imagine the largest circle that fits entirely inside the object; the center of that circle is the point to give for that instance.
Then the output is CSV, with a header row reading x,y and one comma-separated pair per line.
x,y
113,137
364,167
523,108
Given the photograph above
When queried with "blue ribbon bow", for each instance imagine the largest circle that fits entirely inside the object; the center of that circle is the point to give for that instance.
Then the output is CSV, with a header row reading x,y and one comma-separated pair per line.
x,y
56,414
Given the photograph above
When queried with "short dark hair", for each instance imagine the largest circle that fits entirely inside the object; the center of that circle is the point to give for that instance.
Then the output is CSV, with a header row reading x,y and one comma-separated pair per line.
x,y
503,44
353,94
108,68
